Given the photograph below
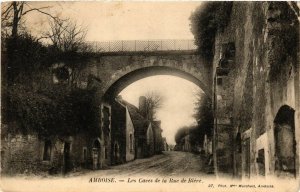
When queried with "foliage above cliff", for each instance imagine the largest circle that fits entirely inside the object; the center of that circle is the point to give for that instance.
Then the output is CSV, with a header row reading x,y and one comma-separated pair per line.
x,y
206,20
57,112
31,98
283,39
24,57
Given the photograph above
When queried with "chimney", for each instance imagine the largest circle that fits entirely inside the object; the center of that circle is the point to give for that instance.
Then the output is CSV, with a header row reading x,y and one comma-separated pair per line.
x,y
142,105
158,123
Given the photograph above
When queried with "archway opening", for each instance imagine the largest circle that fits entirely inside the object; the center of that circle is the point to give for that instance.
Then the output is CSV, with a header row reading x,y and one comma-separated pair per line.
x,y
285,143
96,144
181,92
116,87
96,154
174,124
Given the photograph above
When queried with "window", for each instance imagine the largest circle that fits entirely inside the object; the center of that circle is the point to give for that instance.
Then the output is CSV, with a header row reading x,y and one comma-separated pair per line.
x,y
261,162
226,60
131,142
105,152
61,74
106,119
84,153
47,151
238,142
219,81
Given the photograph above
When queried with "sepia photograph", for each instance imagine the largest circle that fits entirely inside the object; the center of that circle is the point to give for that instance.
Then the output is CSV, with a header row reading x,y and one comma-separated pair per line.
x,y
150,96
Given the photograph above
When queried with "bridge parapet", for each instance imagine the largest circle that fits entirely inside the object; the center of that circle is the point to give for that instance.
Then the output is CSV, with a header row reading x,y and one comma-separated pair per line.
x,y
143,45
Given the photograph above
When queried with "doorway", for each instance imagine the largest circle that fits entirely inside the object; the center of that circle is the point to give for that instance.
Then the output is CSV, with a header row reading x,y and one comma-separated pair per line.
x,y
246,158
116,153
96,154
67,164
285,141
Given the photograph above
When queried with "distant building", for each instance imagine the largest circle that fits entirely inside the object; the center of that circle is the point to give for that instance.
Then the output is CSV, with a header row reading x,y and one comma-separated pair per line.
x,y
143,132
171,147
144,138
207,145
186,143
157,136
165,146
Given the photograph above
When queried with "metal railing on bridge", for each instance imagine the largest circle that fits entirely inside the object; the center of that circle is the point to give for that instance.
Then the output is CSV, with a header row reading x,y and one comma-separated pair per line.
x,y
142,45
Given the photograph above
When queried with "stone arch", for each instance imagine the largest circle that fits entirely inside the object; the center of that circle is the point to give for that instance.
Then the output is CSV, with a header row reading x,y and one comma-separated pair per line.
x,y
123,78
97,143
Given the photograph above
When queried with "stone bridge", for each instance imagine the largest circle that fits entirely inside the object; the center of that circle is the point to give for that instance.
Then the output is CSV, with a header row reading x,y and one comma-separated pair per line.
x,y
112,72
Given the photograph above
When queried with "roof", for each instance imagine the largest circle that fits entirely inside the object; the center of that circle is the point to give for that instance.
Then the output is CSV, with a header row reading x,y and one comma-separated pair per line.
x,y
139,122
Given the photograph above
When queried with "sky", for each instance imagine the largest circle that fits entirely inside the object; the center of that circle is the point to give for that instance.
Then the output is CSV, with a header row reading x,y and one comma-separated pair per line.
x,y
178,101
107,21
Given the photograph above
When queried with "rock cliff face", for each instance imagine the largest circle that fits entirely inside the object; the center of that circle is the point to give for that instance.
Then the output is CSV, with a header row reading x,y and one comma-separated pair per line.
x,y
263,76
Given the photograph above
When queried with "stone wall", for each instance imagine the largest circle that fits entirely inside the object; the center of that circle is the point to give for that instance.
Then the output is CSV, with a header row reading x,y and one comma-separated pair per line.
x,y
113,72
21,154
24,154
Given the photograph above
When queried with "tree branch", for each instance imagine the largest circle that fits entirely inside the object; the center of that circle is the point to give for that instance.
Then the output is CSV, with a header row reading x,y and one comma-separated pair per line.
x,y
6,12
7,9
38,10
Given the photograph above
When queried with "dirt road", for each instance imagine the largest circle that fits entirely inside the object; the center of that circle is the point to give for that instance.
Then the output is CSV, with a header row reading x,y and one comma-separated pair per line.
x,y
171,163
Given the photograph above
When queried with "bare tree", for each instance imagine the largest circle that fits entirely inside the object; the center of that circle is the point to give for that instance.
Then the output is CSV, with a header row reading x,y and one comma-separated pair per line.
x,y
67,36
154,101
13,13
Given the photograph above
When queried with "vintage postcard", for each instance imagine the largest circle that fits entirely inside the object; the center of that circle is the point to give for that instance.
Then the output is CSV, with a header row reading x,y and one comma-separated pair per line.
x,y
150,96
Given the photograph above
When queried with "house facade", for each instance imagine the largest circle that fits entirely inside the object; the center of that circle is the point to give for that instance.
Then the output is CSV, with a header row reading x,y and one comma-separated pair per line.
x,y
186,143
143,132
122,136
165,146
144,140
